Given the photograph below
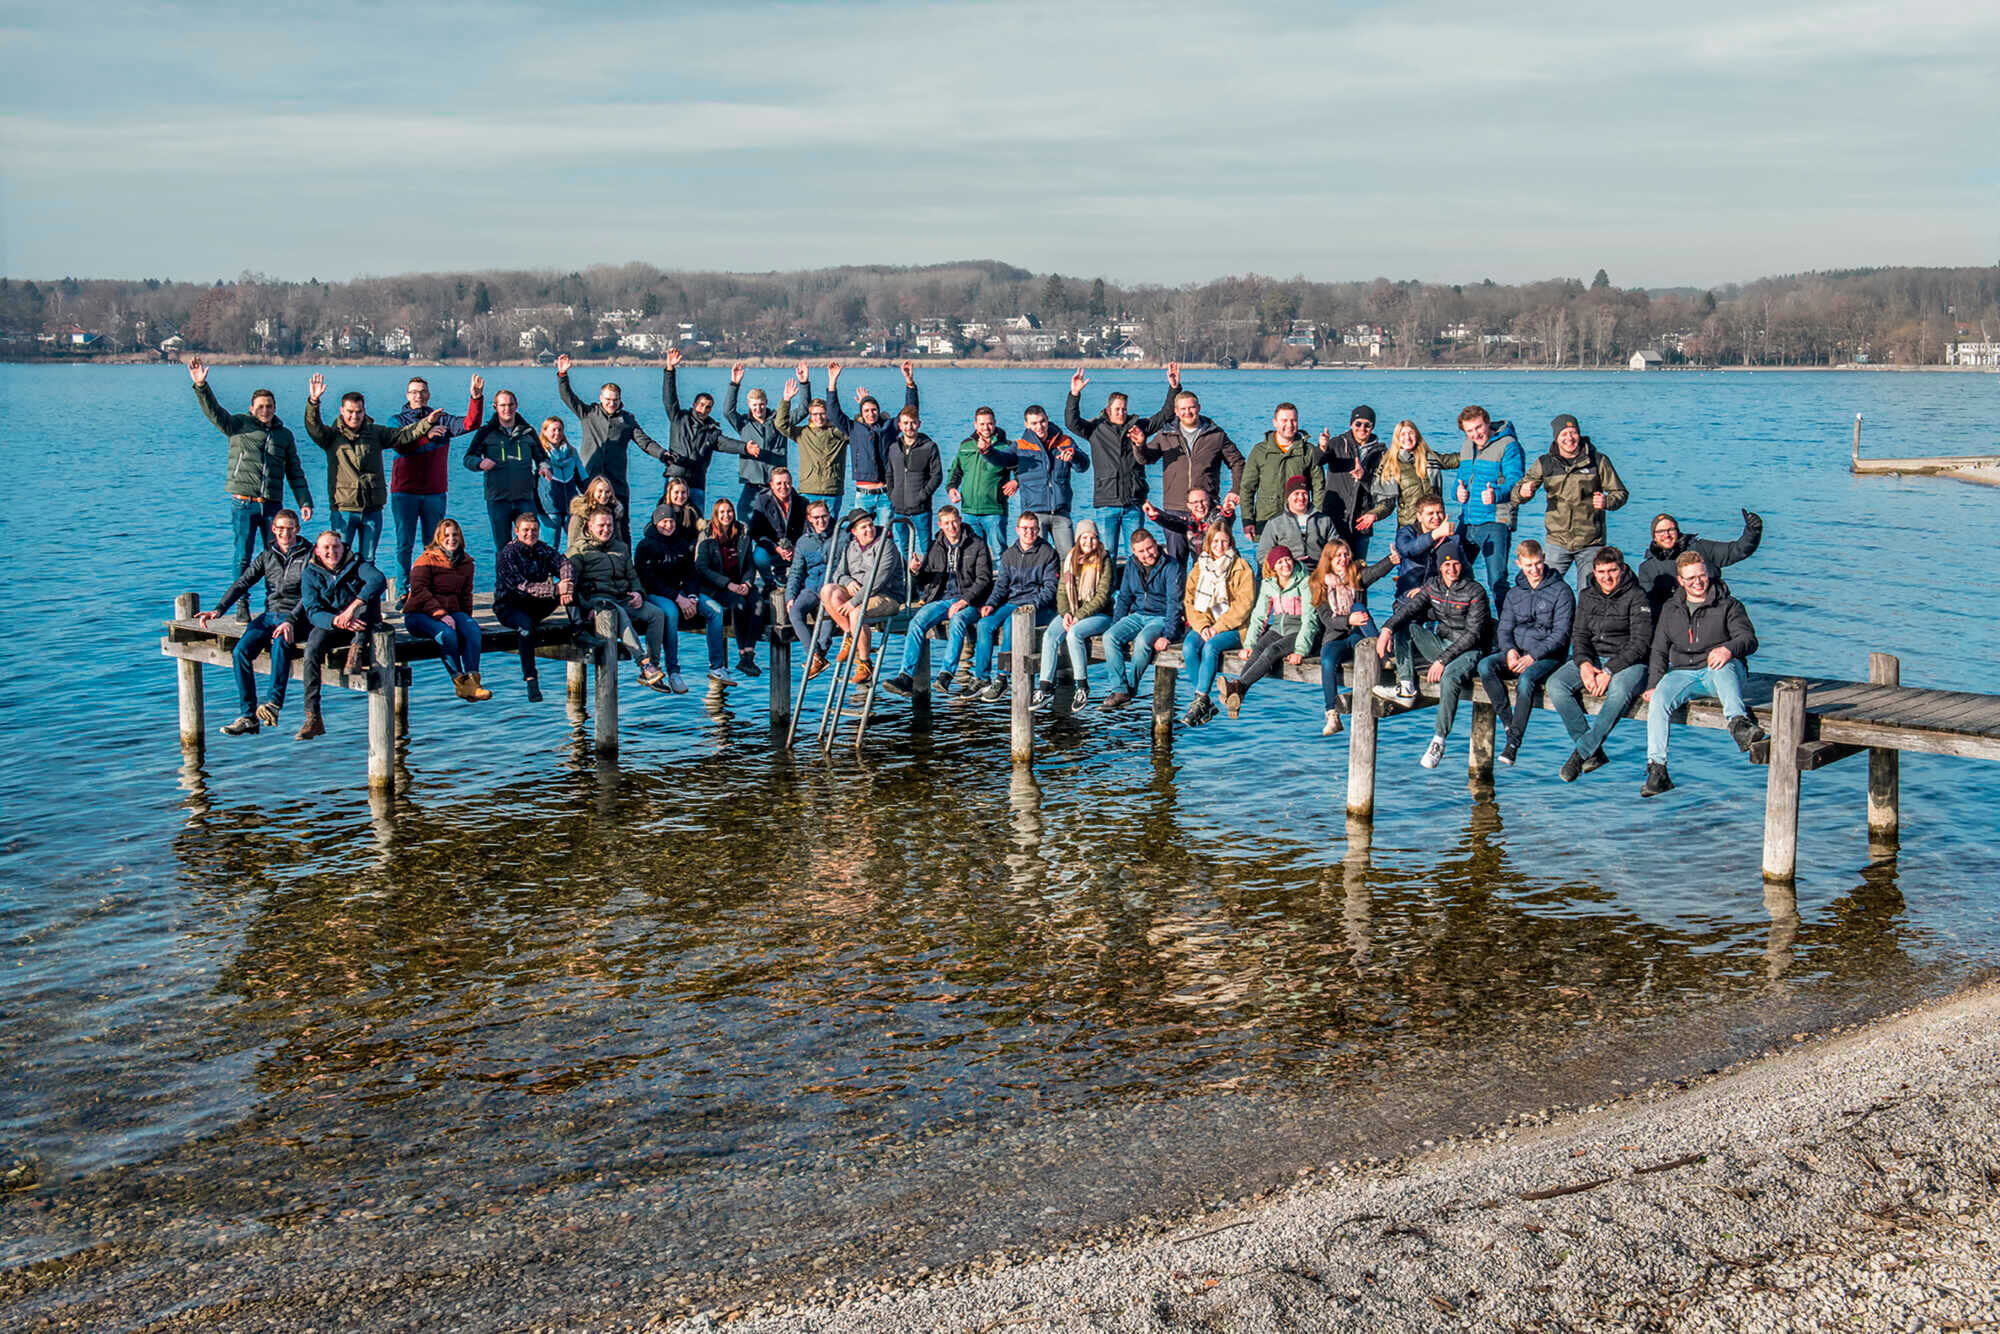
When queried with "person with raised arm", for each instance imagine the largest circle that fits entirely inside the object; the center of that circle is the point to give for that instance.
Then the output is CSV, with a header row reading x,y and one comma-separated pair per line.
x,y
1658,572
1486,495
507,453
815,548
1221,592
1114,437
531,581
1610,639
1281,457
867,585
1701,647
263,458
950,580
1044,461
1182,532
763,447
1145,617
665,561
1026,577
915,468
439,608
1407,471
1413,553
1337,615
821,467
726,572
340,601
1302,526
282,567
1083,606
608,433
981,478
1192,450
1281,628
693,436
1455,603
870,439
1582,488
607,580
1346,461
354,444
1532,643
420,476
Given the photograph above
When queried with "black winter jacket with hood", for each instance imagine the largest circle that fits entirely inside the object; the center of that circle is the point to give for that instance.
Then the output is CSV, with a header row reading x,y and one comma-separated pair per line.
x,y
1612,630
1684,635
1659,577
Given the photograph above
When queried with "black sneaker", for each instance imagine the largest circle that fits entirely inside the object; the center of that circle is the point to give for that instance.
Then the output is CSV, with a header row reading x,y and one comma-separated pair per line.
x,y
746,663
1044,699
994,691
968,686
1197,712
902,685
1510,752
241,727
534,690
1079,700
1116,700
944,682
1572,768
1656,782
1745,732
1594,761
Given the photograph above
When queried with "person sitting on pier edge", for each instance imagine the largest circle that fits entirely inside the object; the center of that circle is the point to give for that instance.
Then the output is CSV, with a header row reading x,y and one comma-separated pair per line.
x,y
1221,591
1658,572
1486,495
562,480
340,601
439,607
821,471
354,445
1416,545
606,580
600,493
420,476
1183,532
609,432
1347,460
915,468
1701,646
1582,489
1281,624
665,562
868,585
1145,616
1083,605
1408,471
810,555
263,457
1045,458
1114,437
759,428
870,438
1192,450
1456,603
726,576
1532,642
693,436
1300,526
953,578
1275,461
508,452
1337,616
281,566
1609,642
1025,577
531,580
981,479
777,521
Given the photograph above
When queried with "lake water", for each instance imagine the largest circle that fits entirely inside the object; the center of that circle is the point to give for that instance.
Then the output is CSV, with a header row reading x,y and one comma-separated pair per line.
x,y
721,1020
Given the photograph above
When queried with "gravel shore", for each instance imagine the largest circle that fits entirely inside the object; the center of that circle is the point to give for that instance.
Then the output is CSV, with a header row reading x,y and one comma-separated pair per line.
x,y
1847,1183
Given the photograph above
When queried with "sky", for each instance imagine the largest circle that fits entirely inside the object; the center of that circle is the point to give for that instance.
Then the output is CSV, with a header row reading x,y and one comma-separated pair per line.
x,y
1694,143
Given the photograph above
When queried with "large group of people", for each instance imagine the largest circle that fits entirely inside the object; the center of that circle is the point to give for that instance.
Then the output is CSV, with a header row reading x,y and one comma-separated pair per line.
x,y
1138,570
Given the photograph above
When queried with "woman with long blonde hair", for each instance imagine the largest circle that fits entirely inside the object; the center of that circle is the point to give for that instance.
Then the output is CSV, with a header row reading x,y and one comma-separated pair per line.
x,y
1083,609
1408,470
600,494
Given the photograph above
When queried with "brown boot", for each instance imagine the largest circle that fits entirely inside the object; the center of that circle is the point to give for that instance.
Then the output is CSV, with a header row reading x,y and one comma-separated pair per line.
x,y
461,685
357,654
310,728
861,673
815,665
479,692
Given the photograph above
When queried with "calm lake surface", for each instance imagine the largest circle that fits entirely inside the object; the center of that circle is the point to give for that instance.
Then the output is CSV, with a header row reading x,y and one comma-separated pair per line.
x,y
721,1020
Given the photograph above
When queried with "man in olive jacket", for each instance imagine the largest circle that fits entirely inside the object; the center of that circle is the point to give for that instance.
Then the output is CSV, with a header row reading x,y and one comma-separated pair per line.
x,y
354,474
1582,489
263,456
1274,461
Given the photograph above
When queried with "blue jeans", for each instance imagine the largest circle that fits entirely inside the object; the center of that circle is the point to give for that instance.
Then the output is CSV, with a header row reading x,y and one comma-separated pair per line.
x,y
713,609
927,618
256,635
1565,691
670,642
1456,685
801,617
876,503
1491,545
1490,669
362,531
1725,683
456,634
994,528
832,505
1137,632
1561,558
1116,524
921,530
1077,641
1058,529
416,517
250,528
1334,651
1204,656
986,634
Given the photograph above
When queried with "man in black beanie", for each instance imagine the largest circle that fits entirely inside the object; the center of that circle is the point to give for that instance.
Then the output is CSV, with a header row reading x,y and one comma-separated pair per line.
x,y
1347,460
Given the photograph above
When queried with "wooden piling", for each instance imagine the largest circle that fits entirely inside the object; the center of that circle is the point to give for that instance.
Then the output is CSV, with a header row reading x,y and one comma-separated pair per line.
x,y
1164,681
402,706
1479,747
574,688
382,714
1021,660
606,722
1361,732
189,673
1781,787
781,665
920,690
1885,764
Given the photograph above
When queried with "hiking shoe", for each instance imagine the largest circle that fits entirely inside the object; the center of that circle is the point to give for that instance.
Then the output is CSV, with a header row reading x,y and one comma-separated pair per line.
x,y
902,685
357,654
1510,753
461,685
863,673
658,682
242,725
1079,700
721,678
1572,768
746,663
676,684
1232,698
1594,761
1746,732
968,686
1332,723
1117,699
534,690
310,728
815,665
267,714
994,691
1044,699
1433,753
1657,781
1403,692
1197,712
846,650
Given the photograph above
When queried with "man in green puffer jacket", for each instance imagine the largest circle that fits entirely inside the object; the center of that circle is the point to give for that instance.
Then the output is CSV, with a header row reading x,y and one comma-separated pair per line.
x,y
981,478
1582,489
354,477
263,456
1283,453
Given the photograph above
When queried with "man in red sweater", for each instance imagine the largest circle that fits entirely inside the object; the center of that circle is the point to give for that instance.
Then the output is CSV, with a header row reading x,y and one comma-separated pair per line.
x,y
419,478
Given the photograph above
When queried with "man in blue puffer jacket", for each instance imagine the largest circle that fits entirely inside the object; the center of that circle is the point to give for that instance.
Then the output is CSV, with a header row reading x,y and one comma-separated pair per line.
x,y
1497,463
1046,458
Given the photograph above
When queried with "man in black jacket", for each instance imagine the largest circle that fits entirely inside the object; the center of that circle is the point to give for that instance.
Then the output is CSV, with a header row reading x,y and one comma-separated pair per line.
x,y
1657,572
1347,460
1114,437
951,579
693,435
1701,646
777,520
280,566
1457,604
1609,641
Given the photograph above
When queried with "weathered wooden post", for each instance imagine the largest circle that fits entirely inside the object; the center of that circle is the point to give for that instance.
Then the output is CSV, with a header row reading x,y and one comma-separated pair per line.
x,y
1021,661
189,674
781,663
1165,679
920,691
1885,766
402,706
1479,748
606,732
1781,787
574,689
1361,733
382,713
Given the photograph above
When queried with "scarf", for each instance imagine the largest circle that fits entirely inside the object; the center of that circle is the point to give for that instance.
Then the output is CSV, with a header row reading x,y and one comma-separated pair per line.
x,y
1211,590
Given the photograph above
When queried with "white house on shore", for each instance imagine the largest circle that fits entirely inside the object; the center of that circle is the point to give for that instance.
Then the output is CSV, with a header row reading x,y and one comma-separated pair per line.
x,y
1963,353
1646,360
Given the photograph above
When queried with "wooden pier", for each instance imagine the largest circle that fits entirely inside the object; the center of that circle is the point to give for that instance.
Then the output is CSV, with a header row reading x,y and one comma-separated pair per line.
x,y
1812,721
1980,469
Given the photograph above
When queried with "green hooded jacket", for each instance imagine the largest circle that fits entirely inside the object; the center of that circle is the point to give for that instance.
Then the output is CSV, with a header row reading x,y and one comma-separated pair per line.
x,y
354,475
261,458
602,569
978,475
1269,467
822,462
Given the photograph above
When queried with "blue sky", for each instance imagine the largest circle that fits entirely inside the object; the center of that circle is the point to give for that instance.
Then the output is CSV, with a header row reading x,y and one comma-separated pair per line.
x,y
1693,143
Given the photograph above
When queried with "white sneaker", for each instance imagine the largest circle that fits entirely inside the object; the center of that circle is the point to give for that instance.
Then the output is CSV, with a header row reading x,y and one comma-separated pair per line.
x,y
1433,753
1403,692
675,684
1332,723
722,677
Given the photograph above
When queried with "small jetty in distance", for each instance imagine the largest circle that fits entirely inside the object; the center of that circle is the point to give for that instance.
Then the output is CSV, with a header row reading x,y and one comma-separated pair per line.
x,y
1982,469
